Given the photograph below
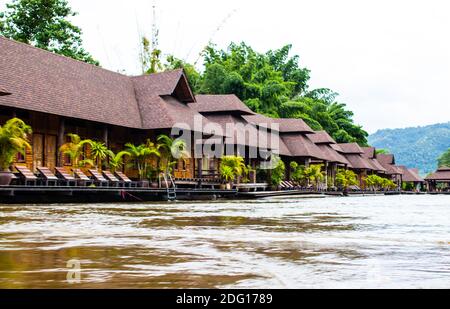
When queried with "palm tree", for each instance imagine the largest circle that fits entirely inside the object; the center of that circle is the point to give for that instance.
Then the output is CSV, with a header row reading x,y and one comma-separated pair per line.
x,y
171,149
346,178
315,174
237,164
116,160
140,156
75,149
13,140
99,152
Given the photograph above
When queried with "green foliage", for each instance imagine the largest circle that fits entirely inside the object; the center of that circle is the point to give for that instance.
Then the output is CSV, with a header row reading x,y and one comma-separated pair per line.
x,y
273,84
44,24
382,151
13,140
171,150
227,174
150,58
140,156
192,75
375,182
346,179
315,174
75,150
277,174
444,159
418,147
99,152
116,161
232,167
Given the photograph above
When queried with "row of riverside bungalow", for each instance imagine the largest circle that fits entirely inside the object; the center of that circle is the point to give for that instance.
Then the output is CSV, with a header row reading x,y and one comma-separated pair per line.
x,y
57,95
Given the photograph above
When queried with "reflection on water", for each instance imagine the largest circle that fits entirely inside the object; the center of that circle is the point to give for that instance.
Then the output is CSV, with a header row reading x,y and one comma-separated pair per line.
x,y
379,242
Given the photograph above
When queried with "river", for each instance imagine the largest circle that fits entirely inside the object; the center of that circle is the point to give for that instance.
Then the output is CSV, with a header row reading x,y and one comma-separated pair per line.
x,y
357,242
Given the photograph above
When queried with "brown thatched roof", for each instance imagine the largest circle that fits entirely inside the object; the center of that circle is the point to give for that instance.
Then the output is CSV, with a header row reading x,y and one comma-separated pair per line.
x,y
442,174
410,175
300,145
388,162
351,148
285,125
321,137
354,154
371,156
45,82
220,103
3,92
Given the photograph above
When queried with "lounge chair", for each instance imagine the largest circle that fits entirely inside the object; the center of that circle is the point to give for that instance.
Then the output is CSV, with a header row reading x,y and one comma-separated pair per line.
x,y
65,177
81,177
27,175
112,179
126,181
48,176
98,178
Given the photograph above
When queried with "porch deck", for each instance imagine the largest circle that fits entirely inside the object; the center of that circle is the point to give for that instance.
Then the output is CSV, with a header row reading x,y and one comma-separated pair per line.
x,y
45,194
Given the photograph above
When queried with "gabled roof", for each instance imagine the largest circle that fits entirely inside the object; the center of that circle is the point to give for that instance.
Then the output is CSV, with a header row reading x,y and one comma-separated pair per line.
x,y
333,155
321,137
285,125
388,162
442,174
45,82
220,103
410,175
370,155
300,145
351,148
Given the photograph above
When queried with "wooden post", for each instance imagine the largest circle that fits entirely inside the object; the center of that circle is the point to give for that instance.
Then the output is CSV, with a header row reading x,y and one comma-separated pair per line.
x,y
200,172
106,135
61,134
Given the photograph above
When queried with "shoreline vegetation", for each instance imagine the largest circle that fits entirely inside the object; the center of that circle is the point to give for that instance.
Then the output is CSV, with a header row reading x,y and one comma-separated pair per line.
x,y
67,122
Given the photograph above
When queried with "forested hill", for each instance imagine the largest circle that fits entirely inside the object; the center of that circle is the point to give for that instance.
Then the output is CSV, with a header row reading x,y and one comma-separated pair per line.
x,y
415,147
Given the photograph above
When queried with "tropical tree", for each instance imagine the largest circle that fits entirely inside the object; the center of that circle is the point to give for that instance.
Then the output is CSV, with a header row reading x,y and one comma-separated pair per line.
x,y
373,182
298,173
99,152
140,156
44,24
346,178
315,174
75,150
274,84
13,140
444,159
171,151
236,163
227,173
277,174
116,161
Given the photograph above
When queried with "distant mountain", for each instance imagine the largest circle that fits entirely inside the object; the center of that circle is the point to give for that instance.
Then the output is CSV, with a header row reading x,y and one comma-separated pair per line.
x,y
415,147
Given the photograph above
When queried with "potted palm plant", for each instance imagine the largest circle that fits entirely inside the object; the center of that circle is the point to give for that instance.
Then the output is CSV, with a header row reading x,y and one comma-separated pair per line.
x,y
75,150
227,174
171,151
140,156
13,140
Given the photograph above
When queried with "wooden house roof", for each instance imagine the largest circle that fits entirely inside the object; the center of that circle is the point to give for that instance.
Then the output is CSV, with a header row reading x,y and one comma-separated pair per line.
x,y
285,125
410,175
300,145
3,91
220,103
388,162
370,155
442,174
321,137
45,82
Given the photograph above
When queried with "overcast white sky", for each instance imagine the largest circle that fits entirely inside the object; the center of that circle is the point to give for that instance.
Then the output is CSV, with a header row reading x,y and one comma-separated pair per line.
x,y
389,60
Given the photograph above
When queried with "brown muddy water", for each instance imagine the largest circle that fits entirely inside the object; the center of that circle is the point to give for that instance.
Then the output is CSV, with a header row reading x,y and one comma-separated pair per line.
x,y
358,242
